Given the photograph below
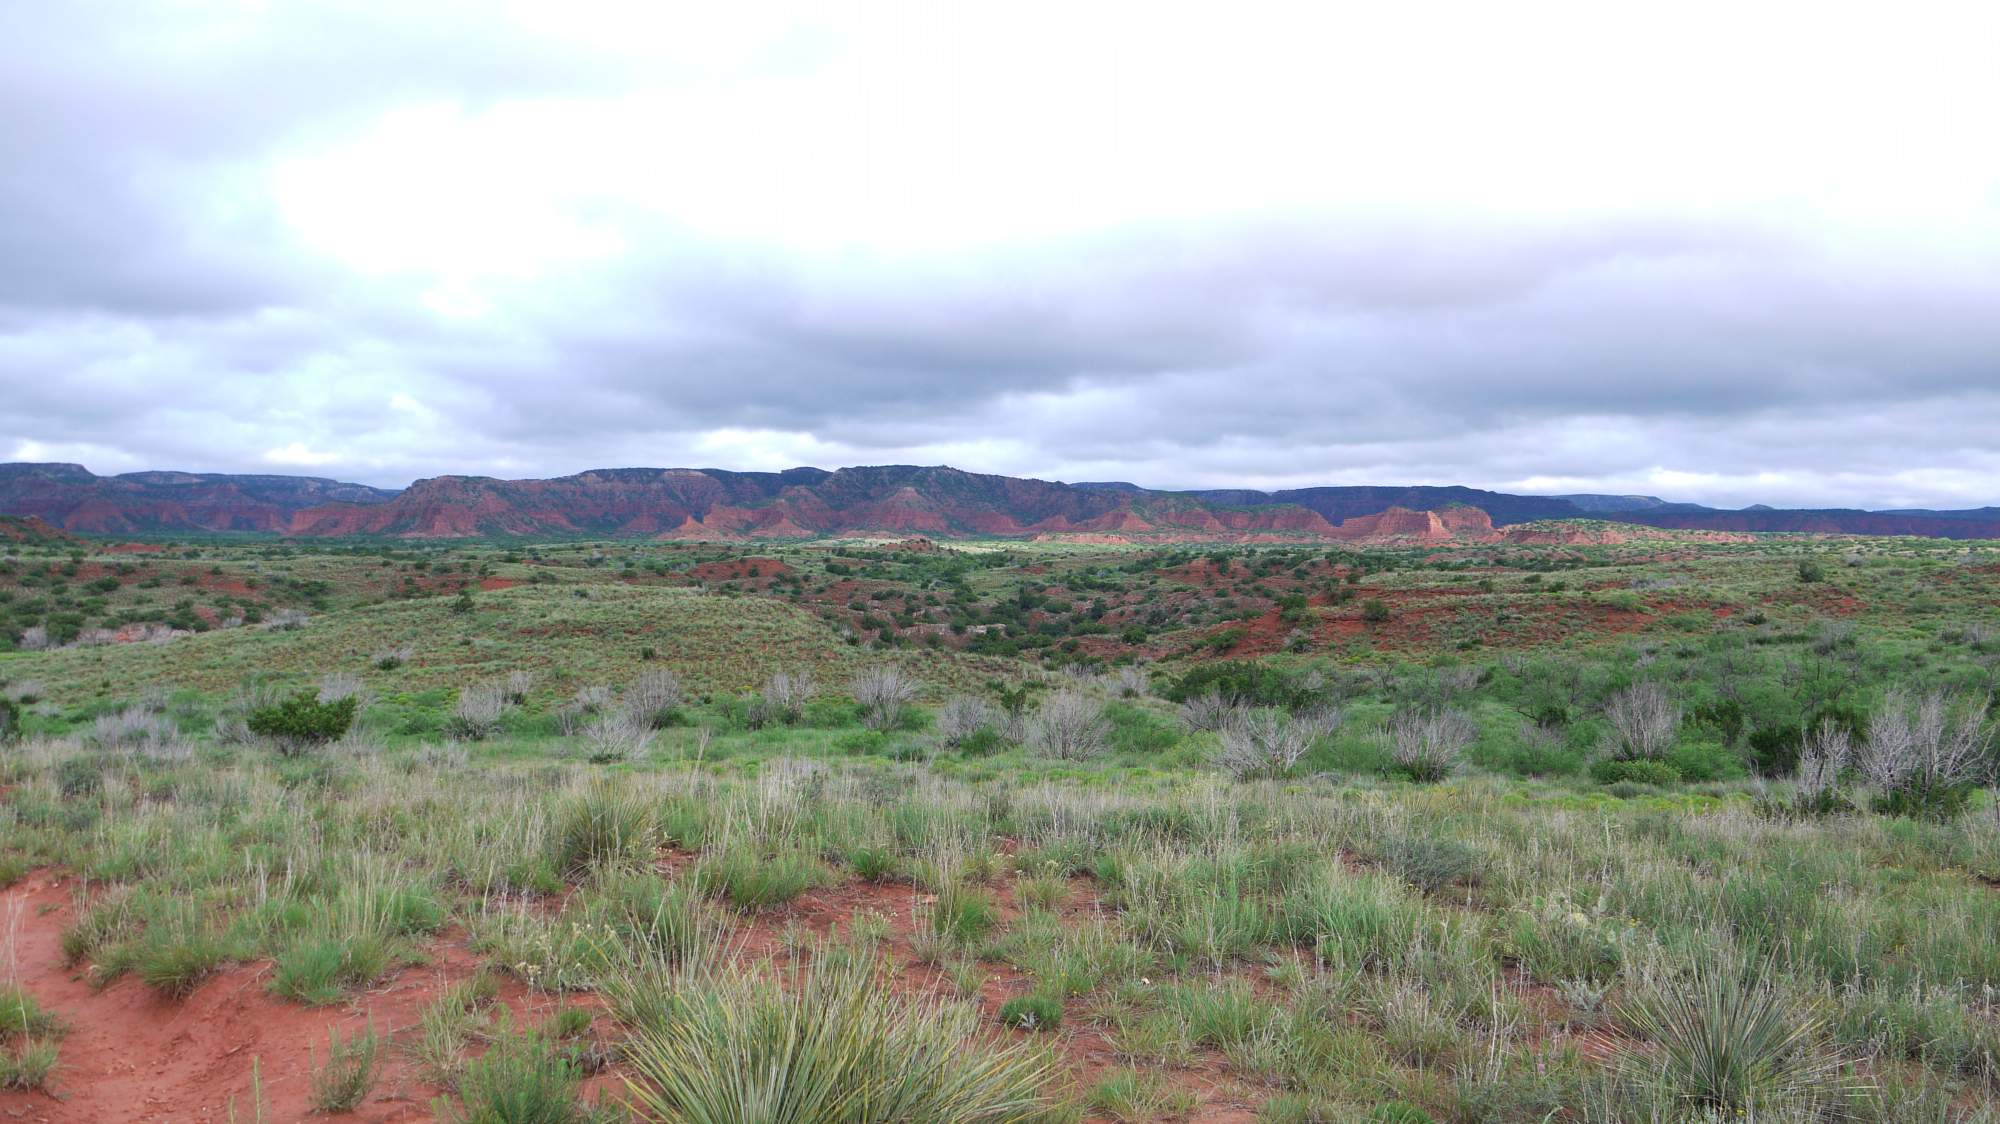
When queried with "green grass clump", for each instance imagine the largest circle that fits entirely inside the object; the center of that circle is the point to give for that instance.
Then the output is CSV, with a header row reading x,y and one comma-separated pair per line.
x,y
320,970
520,1079
351,1065
603,829
1031,1012
962,914
750,881
28,1049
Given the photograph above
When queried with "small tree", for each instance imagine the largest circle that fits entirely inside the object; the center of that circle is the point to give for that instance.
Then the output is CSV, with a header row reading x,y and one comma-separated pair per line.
x,y
302,721
1375,610
1645,721
1069,725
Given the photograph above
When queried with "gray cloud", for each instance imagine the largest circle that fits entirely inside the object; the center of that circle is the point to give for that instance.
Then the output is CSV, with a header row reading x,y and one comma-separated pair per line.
x,y
165,303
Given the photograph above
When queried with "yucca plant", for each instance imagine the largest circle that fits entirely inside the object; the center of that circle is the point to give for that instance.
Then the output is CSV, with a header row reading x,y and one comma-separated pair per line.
x,y
1730,1044
827,1045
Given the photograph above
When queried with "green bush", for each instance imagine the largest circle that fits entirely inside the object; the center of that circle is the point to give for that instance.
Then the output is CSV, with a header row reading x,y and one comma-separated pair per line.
x,y
1611,771
1694,761
1248,681
10,719
302,721
1940,805
1375,610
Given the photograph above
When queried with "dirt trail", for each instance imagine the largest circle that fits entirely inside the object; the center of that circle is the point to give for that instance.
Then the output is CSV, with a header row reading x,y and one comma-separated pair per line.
x,y
129,1055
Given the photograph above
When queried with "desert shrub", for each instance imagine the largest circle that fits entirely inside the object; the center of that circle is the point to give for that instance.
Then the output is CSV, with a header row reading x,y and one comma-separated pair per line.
x,y
389,659
616,737
882,693
1269,743
1429,745
587,703
1031,1012
476,714
1926,755
10,720
139,729
302,721
786,694
823,1043
1611,770
1823,757
654,696
1645,722
518,684
337,685
1132,682
1810,570
1068,725
961,717
1375,610
1209,712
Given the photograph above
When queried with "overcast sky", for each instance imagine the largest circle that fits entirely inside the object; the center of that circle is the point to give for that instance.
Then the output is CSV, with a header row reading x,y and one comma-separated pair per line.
x,y
1724,252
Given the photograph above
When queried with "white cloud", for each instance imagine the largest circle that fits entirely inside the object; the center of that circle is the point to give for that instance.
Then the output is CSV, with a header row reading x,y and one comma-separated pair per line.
x,y
1729,253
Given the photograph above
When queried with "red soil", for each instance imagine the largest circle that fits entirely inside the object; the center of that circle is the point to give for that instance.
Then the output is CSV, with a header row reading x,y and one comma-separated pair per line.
x,y
738,569
497,583
129,1055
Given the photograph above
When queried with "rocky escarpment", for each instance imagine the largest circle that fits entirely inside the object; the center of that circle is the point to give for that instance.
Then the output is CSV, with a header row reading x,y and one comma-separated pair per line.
x,y
902,500
71,497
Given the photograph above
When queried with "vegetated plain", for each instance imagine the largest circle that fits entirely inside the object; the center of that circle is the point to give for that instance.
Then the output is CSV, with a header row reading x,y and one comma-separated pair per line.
x,y
995,831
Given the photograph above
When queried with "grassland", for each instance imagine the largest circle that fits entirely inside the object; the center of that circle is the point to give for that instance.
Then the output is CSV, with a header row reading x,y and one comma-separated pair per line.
x,y
1055,833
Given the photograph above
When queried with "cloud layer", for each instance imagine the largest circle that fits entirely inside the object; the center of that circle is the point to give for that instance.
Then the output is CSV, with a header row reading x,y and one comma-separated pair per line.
x,y
1722,257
